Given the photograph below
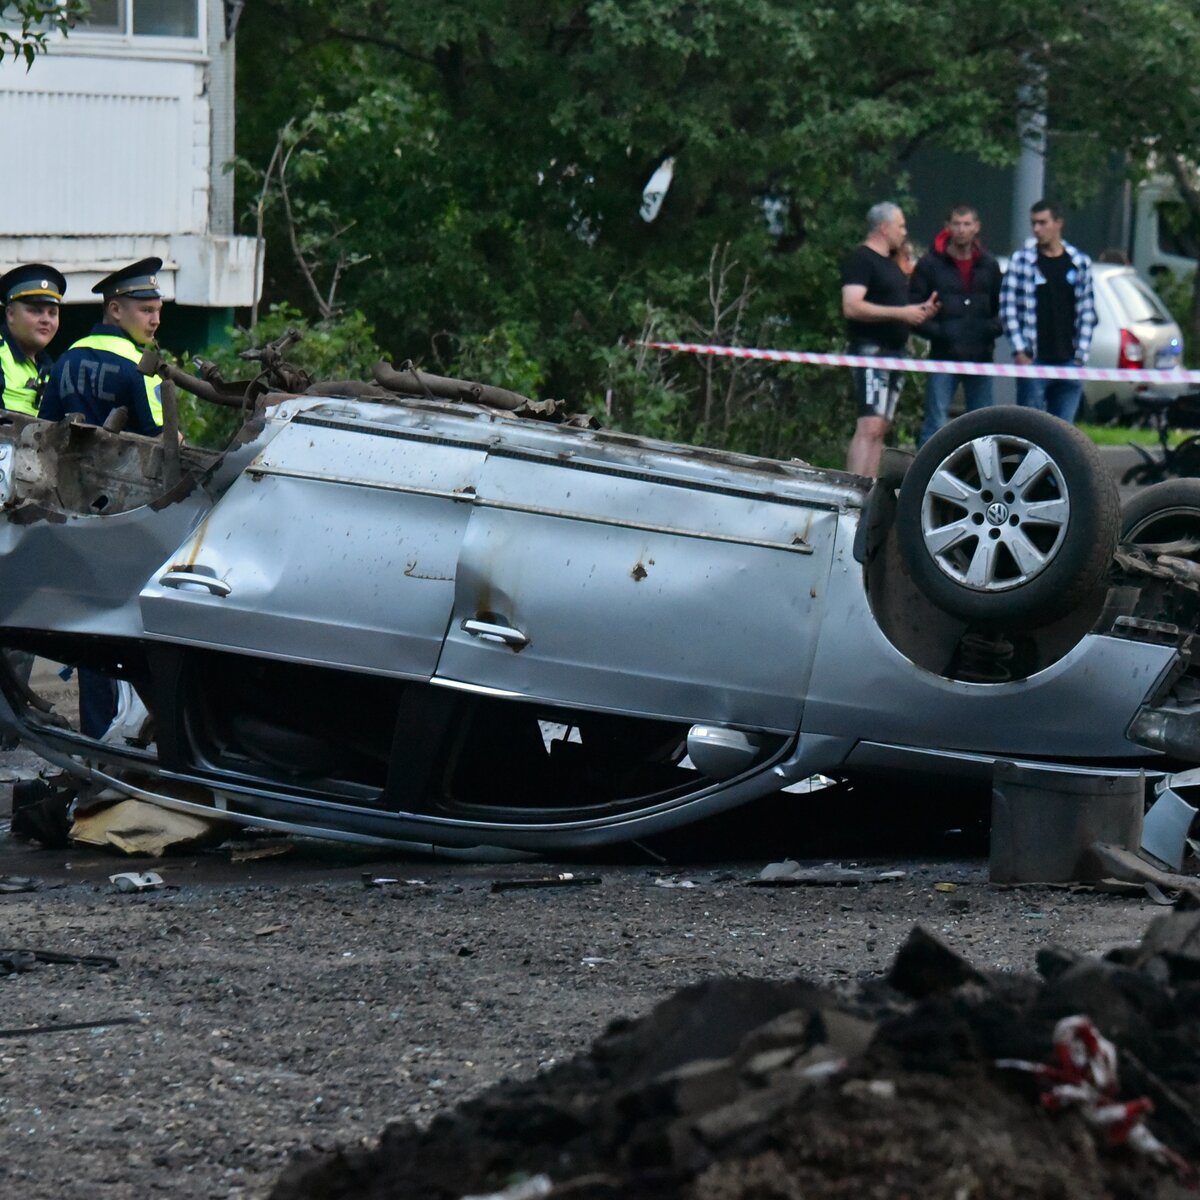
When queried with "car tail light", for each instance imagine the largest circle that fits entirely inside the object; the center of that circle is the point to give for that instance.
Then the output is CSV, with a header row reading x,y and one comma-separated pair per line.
x,y
1133,353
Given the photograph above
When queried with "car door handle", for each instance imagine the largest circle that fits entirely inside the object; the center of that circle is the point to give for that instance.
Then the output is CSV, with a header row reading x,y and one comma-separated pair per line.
x,y
175,579
490,632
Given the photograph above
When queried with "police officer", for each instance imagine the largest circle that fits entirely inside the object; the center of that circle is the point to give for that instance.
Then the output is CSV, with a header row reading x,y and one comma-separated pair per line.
x,y
32,294
96,375
99,372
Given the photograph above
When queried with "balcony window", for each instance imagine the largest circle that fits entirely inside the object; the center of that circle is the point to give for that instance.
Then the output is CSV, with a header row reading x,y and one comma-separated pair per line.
x,y
166,18
105,16
146,18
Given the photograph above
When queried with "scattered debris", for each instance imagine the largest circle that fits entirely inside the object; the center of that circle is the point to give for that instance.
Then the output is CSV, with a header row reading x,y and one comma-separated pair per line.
x,y
790,873
137,827
673,881
1118,863
67,1027
18,961
526,1189
240,854
562,879
39,811
137,881
18,883
19,774
1113,887
1158,896
399,887
1168,821
945,887
380,881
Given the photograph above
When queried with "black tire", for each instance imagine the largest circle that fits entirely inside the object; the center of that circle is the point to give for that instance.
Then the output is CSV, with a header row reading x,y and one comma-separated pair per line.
x,y
1142,473
1043,546
1165,513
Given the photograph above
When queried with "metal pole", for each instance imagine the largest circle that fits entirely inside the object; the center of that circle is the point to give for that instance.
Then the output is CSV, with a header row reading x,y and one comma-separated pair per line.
x,y
1029,179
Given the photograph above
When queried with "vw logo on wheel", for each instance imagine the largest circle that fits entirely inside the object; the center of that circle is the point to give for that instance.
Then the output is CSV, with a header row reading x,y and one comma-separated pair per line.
x,y
997,513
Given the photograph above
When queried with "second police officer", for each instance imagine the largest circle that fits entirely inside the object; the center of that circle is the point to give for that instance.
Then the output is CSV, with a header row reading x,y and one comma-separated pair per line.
x,y
99,372
31,293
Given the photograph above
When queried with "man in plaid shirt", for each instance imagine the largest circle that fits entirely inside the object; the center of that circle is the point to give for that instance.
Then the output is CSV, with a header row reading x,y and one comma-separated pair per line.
x,y
1049,311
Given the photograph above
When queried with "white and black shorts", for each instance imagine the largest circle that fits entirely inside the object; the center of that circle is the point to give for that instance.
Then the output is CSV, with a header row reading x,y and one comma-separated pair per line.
x,y
876,392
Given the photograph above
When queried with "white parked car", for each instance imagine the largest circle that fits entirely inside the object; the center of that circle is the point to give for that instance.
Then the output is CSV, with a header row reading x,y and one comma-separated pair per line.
x,y
1134,329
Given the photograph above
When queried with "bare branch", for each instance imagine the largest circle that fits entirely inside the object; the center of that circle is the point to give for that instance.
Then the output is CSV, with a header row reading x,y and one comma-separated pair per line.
x,y
259,216
371,39
290,220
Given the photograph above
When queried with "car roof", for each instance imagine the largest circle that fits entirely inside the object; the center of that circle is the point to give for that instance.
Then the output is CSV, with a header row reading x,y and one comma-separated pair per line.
x,y
1105,270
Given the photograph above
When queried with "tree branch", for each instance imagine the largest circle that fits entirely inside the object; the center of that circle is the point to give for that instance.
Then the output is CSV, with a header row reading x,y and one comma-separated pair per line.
x,y
290,221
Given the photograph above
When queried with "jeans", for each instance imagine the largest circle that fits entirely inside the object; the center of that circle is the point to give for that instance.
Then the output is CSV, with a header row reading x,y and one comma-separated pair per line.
x,y
939,391
1059,397
97,702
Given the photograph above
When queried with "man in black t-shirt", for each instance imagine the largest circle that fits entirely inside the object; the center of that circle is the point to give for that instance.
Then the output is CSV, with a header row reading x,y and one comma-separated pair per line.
x,y
1048,308
878,320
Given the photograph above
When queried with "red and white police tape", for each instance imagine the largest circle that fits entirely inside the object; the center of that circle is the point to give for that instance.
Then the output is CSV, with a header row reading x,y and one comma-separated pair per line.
x,y
1163,377
1084,1076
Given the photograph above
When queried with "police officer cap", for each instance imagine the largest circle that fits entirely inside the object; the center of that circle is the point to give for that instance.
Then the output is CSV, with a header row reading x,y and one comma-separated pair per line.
x,y
33,282
139,281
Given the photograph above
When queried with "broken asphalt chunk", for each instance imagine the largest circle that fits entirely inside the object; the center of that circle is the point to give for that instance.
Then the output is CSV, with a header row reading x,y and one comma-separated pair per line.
x,y
924,965
18,883
1052,961
1174,939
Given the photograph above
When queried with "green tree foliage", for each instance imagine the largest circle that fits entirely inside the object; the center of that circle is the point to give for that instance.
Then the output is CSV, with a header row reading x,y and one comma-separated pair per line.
x,y
339,347
1129,71
28,24
482,163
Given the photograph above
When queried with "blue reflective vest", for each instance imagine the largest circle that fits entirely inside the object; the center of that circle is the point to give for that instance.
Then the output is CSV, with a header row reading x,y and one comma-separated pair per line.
x,y
99,373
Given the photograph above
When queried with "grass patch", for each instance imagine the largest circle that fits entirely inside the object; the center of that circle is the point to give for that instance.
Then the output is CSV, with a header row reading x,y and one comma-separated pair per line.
x,y
1119,435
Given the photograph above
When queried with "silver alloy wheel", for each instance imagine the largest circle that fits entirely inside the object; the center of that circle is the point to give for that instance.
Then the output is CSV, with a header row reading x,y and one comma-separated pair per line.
x,y
995,512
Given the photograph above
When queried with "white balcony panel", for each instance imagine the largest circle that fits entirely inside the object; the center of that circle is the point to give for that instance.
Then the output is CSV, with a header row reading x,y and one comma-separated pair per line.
x,y
116,169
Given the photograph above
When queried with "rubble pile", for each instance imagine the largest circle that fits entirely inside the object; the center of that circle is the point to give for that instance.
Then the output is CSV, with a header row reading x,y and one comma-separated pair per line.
x,y
743,1088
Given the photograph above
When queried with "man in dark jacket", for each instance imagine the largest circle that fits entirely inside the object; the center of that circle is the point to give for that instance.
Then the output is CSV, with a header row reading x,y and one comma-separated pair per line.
x,y
966,279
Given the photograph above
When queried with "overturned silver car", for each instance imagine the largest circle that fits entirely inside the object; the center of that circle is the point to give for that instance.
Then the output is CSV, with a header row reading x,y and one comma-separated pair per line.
x,y
392,617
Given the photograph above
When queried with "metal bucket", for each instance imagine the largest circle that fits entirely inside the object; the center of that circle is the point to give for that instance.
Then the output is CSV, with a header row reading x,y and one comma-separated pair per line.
x,y
1044,819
